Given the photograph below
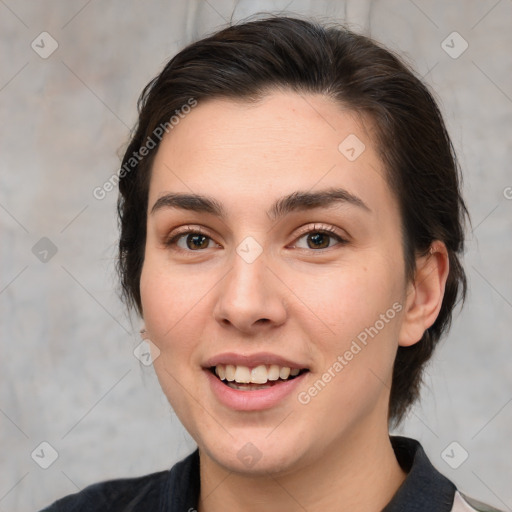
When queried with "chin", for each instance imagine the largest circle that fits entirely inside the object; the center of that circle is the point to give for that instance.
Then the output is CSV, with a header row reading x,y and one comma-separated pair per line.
x,y
256,454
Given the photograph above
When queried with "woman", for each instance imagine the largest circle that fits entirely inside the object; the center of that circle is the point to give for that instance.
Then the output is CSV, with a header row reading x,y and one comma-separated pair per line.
x,y
291,227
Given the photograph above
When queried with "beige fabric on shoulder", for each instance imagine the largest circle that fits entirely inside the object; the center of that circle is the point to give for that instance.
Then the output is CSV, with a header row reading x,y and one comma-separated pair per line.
x,y
463,503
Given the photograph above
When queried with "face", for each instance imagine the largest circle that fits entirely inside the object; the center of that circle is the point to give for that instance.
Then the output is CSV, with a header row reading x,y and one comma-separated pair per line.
x,y
314,282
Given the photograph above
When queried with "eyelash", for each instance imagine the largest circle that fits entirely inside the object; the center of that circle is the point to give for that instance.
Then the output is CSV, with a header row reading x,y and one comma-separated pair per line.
x,y
327,230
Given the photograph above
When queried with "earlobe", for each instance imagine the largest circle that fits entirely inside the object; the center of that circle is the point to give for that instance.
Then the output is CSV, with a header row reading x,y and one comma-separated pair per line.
x,y
425,294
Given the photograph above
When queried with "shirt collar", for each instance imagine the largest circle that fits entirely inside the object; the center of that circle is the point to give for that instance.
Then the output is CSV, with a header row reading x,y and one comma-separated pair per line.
x,y
423,490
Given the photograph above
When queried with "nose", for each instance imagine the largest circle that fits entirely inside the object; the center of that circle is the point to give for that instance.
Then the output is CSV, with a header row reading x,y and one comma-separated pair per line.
x,y
251,297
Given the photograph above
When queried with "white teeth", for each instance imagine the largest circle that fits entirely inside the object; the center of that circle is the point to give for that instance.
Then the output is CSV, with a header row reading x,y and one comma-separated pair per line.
x,y
257,375
273,372
284,372
230,372
221,372
242,375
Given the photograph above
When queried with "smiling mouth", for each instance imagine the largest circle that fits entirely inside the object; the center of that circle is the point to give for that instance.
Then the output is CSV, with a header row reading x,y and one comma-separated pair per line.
x,y
252,379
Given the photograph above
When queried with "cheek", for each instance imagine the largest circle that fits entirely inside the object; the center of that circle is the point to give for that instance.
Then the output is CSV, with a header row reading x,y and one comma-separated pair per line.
x,y
177,312
353,333
164,302
352,325
342,303
168,305
155,296
167,296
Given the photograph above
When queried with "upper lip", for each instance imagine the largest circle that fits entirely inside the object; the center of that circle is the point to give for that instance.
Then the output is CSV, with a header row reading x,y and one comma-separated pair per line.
x,y
252,360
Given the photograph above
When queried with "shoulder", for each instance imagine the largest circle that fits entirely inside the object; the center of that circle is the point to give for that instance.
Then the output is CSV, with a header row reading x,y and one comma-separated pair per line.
x,y
425,488
463,503
173,489
116,495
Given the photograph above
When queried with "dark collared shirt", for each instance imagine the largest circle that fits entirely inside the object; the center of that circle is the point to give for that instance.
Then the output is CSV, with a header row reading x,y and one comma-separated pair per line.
x,y
177,489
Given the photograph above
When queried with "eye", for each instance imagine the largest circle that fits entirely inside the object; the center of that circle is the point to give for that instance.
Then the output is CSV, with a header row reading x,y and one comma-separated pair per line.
x,y
193,239
320,238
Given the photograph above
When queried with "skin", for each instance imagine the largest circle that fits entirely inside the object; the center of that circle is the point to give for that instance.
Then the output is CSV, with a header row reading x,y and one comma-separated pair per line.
x,y
314,302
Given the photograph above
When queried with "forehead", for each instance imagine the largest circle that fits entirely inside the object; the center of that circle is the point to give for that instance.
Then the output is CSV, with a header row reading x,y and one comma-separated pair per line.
x,y
284,142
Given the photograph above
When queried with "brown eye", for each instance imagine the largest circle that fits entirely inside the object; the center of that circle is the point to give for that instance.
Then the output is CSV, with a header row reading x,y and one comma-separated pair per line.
x,y
196,241
320,239
190,240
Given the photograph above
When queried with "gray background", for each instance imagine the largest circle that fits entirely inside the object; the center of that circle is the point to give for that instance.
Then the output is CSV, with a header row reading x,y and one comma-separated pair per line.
x,y
67,369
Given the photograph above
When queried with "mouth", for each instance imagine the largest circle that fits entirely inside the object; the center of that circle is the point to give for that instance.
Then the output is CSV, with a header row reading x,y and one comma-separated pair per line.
x,y
245,378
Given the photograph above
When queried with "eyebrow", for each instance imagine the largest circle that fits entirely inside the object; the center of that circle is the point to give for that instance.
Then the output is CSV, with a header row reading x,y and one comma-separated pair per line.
x,y
296,201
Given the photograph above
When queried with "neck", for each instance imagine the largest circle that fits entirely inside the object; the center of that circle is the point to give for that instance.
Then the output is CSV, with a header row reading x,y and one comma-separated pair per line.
x,y
363,468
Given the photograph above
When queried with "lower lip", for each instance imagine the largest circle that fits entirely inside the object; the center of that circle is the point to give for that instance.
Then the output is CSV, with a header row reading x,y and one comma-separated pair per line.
x,y
256,400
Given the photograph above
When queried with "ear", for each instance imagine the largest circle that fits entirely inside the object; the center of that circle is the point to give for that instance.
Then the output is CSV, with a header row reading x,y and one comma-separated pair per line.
x,y
424,294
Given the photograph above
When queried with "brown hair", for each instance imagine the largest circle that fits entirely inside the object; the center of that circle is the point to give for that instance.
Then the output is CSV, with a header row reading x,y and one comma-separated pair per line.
x,y
246,61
